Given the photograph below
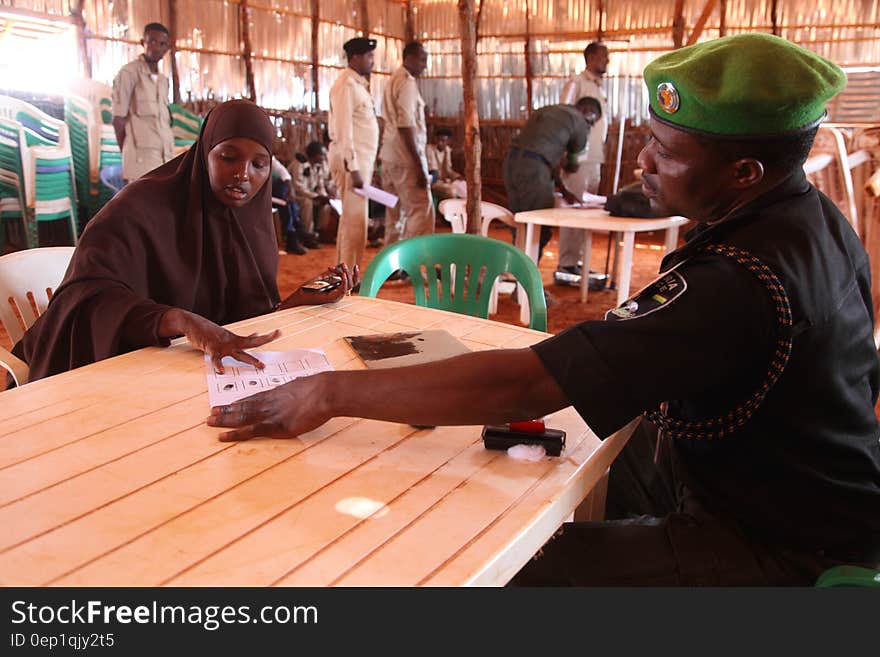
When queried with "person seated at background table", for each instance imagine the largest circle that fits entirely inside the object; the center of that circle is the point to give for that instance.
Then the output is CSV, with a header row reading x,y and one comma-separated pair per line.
x,y
439,156
180,251
753,351
313,187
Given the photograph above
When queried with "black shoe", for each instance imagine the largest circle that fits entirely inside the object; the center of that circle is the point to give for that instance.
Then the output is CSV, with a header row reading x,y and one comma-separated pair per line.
x,y
295,248
399,275
571,269
311,243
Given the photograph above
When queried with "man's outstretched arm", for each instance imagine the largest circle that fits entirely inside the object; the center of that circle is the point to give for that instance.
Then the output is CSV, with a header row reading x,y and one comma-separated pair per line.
x,y
488,387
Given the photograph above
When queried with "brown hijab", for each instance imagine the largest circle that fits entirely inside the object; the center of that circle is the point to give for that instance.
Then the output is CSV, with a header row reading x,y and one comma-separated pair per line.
x,y
164,241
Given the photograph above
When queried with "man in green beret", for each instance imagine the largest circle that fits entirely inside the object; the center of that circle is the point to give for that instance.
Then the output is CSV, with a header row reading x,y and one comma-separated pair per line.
x,y
752,351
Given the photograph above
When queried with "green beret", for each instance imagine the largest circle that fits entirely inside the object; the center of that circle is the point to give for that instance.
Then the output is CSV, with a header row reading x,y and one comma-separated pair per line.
x,y
743,85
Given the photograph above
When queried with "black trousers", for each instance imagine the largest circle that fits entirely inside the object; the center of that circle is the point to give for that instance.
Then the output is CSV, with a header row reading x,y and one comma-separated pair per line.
x,y
661,535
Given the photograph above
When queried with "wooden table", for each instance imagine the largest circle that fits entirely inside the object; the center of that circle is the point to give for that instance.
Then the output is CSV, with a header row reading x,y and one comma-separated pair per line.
x,y
590,219
109,476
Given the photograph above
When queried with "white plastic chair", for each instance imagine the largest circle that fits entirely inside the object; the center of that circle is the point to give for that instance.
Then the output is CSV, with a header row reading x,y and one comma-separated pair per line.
x,y
454,210
27,280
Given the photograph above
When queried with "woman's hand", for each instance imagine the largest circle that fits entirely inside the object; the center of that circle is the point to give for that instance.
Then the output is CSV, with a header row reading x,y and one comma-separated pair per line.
x,y
302,297
283,412
214,340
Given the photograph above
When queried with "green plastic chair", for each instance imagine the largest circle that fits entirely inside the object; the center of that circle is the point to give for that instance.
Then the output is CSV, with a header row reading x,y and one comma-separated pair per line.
x,y
849,576
464,259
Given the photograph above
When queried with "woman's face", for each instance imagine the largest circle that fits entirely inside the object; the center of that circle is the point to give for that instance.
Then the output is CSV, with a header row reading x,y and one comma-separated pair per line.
x,y
238,168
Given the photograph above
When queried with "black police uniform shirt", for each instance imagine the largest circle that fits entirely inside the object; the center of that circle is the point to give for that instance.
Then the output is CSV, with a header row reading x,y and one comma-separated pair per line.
x,y
804,470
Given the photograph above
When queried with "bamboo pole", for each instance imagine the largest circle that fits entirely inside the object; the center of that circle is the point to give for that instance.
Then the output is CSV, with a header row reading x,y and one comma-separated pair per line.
x,y
244,21
472,145
365,18
722,18
409,22
708,8
172,27
600,31
678,24
773,18
316,24
76,15
528,54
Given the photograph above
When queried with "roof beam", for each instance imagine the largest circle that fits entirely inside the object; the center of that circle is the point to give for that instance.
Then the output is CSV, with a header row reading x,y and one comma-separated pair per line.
x,y
701,22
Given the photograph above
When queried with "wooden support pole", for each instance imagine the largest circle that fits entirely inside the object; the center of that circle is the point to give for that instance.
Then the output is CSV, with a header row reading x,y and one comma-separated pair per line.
x,y
316,16
365,18
708,8
409,22
472,146
774,21
172,27
600,30
678,24
76,15
528,53
244,21
722,18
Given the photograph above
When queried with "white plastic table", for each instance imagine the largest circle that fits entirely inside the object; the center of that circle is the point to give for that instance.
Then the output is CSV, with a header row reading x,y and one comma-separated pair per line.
x,y
590,219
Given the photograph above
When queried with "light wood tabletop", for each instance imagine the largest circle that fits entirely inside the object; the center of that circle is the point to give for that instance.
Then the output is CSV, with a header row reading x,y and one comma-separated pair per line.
x,y
590,219
110,477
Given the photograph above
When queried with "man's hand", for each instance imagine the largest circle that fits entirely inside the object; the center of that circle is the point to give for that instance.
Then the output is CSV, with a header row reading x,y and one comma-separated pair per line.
x,y
321,200
569,198
301,297
214,340
571,167
286,411
356,181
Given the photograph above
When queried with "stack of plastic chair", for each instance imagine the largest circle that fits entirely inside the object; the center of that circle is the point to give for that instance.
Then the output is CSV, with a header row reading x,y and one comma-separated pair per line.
x,y
47,165
13,206
104,148
79,117
186,127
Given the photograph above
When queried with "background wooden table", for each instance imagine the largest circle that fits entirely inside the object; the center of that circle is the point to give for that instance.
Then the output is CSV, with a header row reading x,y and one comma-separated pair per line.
x,y
109,476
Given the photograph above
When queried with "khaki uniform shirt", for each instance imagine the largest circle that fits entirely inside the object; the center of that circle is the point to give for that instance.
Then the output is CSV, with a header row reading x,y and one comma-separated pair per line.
x,y
352,124
310,180
588,85
441,162
402,107
143,103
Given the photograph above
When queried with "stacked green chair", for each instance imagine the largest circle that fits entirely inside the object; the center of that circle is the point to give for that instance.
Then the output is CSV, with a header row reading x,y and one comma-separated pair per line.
x,y
456,272
185,125
103,148
79,117
13,207
47,164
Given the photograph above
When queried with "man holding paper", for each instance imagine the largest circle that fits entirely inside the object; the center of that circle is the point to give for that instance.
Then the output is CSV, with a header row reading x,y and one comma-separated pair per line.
x,y
354,140
404,164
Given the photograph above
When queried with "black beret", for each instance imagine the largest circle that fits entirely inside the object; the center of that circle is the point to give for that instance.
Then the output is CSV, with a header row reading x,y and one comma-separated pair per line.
x,y
358,46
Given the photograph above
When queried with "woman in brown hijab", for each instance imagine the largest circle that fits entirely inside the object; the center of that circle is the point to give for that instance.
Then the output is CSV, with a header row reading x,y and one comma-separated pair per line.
x,y
186,248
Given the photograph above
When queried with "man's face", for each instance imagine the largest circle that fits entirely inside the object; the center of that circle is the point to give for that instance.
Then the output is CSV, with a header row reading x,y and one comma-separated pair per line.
x,y
319,157
155,44
597,62
363,64
442,142
417,64
682,176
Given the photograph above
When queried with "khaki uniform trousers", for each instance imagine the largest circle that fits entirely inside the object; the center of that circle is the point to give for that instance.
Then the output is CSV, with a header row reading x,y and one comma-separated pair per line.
x,y
351,239
571,240
414,214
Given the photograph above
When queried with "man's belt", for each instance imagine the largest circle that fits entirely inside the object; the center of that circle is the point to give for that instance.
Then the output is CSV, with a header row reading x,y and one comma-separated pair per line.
x,y
522,152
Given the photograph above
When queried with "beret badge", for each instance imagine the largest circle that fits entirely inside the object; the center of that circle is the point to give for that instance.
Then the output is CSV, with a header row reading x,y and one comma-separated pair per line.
x,y
668,98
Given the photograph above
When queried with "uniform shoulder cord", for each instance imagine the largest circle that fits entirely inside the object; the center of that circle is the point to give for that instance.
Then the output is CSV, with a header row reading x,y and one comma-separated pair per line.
x,y
724,425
